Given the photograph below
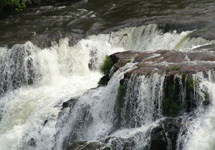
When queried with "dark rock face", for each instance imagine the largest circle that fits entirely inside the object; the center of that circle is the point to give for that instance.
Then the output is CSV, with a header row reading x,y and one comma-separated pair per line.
x,y
165,136
69,103
158,139
172,128
104,80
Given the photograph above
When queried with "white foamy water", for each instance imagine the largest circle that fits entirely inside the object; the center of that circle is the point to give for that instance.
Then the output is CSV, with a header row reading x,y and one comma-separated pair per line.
x,y
35,82
60,72
201,134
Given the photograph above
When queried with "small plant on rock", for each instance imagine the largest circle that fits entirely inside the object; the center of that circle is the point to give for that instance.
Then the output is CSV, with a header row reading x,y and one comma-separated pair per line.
x,y
176,68
108,63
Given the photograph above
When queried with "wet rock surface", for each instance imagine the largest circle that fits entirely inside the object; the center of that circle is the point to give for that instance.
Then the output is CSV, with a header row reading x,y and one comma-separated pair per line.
x,y
165,136
179,95
158,139
84,146
78,19
166,61
178,68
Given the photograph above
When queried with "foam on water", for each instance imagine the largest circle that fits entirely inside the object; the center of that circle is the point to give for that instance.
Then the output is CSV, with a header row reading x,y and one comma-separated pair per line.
x,y
60,72
201,134
35,82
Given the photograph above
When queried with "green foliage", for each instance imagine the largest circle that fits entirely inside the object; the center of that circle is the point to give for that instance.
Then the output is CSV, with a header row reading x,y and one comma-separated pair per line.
x,y
121,94
192,83
175,68
128,60
170,108
173,91
18,5
108,63
120,99
206,95
184,76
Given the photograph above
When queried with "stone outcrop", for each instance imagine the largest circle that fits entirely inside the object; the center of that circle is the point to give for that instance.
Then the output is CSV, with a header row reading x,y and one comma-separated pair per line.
x,y
165,135
178,68
165,61
179,93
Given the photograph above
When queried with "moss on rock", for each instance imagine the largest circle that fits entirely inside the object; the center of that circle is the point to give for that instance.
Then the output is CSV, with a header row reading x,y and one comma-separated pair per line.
x,y
170,108
107,65
175,68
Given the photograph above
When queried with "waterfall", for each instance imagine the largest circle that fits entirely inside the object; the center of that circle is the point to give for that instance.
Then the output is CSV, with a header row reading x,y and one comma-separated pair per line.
x,y
96,114
29,110
35,83
200,127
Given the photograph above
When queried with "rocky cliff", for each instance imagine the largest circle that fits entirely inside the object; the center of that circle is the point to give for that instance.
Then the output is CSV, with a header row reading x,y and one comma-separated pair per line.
x,y
180,96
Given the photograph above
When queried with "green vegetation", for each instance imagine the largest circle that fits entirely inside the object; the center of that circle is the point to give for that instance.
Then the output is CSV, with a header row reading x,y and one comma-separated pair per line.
x,y
108,63
170,108
120,99
128,60
18,5
206,95
184,76
175,68
172,103
192,84
120,96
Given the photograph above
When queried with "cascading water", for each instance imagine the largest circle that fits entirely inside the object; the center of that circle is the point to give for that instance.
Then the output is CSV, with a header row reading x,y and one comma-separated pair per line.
x,y
36,82
58,73
200,133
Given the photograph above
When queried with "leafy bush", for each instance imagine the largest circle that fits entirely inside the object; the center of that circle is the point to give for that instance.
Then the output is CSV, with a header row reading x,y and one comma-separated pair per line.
x,y
108,63
18,5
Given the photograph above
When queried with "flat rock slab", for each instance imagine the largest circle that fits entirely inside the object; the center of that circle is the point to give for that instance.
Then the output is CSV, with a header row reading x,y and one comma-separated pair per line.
x,y
166,61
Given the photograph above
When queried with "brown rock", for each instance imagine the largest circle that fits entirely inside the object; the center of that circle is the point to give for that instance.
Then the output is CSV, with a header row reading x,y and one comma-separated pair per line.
x,y
166,61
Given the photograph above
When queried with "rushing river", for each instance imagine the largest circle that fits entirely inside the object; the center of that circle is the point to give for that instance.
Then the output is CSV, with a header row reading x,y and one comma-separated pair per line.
x,y
52,54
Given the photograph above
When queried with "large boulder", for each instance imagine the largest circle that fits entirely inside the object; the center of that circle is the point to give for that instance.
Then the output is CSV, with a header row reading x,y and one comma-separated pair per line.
x,y
165,135
158,139
166,61
178,68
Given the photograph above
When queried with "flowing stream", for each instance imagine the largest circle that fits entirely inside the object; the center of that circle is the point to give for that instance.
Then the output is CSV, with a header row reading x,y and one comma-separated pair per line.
x,y
36,82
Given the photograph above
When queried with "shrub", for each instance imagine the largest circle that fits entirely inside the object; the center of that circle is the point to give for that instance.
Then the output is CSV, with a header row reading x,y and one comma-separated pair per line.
x,y
18,5
108,63
176,68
